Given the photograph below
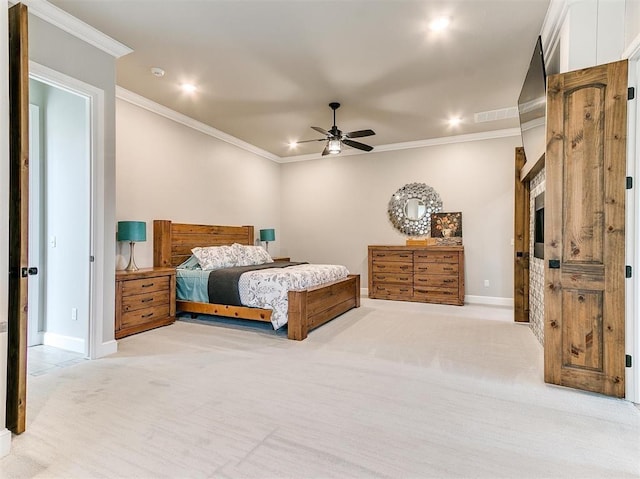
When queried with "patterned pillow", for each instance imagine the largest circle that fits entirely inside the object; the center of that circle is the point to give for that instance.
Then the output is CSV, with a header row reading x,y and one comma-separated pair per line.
x,y
215,257
250,255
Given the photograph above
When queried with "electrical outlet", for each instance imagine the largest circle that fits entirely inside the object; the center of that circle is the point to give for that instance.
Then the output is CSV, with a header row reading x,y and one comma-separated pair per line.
x,y
486,283
74,314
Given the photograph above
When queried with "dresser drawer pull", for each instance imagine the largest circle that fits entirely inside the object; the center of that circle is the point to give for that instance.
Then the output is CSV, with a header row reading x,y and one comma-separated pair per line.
x,y
147,285
449,281
146,300
448,257
404,255
148,315
404,267
380,266
404,279
404,290
447,269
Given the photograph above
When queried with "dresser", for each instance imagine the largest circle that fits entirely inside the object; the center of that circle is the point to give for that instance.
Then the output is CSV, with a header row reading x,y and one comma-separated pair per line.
x,y
426,274
145,299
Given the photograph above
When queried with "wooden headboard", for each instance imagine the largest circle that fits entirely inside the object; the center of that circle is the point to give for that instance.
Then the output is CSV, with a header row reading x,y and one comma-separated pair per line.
x,y
172,242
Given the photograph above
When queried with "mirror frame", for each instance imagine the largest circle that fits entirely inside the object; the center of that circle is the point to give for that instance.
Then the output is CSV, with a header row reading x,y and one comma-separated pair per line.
x,y
396,208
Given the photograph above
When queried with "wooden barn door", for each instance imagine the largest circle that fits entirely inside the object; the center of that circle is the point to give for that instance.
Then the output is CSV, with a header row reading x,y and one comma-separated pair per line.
x,y
18,218
584,229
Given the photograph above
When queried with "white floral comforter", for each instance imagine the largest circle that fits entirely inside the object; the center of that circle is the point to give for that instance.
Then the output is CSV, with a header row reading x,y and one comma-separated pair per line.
x,y
269,288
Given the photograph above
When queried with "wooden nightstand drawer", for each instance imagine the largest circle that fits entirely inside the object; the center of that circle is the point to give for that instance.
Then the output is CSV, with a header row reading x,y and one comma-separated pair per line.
x,y
139,301
145,299
146,285
144,316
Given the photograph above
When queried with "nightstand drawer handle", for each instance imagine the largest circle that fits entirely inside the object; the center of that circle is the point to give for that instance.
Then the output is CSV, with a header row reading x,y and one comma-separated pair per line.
x,y
147,315
147,300
147,285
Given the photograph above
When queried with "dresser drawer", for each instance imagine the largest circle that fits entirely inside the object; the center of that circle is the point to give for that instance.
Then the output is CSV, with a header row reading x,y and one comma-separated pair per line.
x,y
436,281
396,278
437,295
406,256
138,301
393,290
436,268
144,316
146,285
392,267
435,257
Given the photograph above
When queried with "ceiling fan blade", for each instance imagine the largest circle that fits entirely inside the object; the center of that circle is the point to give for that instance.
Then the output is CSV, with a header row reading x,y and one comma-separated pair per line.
x,y
321,130
360,133
308,141
325,151
357,144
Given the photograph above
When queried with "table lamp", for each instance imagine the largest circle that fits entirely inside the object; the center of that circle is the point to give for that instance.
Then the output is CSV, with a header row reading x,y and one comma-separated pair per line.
x,y
132,231
268,235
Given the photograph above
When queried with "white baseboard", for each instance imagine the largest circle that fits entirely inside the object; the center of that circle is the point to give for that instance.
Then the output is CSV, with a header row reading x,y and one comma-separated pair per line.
x,y
364,292
5,442
105,349
489,300
67,343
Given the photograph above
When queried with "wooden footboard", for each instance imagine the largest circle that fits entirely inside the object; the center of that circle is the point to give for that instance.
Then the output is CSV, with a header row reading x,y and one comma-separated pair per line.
x,y
312,307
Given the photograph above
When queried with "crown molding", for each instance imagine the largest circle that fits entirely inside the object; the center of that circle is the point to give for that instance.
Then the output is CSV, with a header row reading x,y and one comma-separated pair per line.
x,y
70,24
552,24
152,106
633,49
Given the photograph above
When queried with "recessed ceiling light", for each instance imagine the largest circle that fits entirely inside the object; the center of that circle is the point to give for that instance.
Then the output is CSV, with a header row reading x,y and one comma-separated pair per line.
x,y
455,121
157,72
188,87
439,24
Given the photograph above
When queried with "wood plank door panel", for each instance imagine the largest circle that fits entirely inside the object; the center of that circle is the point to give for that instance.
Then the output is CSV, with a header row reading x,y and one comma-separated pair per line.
x,y
584,229
18,217
521,237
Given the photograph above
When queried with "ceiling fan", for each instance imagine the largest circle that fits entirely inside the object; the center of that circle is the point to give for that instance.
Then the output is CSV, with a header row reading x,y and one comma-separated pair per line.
x,y
335,138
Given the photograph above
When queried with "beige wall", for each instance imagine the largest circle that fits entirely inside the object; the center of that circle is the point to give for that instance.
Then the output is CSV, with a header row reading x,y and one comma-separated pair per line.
x,y
334,207
165,170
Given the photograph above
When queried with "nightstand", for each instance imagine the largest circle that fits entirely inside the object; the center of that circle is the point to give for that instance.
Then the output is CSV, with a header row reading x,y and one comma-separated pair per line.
x,y
145,299
281,258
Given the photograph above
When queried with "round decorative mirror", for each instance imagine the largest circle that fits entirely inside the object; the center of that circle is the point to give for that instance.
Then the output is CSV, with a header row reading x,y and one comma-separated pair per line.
x,y
411,206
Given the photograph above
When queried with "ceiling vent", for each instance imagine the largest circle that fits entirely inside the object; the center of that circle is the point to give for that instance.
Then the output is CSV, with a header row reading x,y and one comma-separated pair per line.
x,y
495,115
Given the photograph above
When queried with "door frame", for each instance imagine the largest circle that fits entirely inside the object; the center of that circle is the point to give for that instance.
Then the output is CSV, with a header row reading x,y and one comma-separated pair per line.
x,y
95,114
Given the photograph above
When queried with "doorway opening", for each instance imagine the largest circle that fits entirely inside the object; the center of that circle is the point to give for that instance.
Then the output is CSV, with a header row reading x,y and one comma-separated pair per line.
x,y
60,179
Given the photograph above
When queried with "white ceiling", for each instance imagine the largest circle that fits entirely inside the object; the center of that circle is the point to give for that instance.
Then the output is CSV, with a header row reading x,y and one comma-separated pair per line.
x,y
266,70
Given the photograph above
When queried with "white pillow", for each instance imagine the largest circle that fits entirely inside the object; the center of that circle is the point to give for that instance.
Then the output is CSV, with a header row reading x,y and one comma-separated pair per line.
x,y
215,257
250,255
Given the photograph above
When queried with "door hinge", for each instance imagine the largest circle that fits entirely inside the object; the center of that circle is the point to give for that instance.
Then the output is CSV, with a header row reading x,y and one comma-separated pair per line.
x,y
631,93
628,361
629,182
628,271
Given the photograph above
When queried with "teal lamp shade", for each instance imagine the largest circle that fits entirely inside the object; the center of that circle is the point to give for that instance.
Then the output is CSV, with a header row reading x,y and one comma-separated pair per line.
x,y
268,235
132,231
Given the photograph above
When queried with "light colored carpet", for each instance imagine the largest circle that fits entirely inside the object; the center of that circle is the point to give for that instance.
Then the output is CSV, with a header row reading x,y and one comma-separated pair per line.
x,y
395,390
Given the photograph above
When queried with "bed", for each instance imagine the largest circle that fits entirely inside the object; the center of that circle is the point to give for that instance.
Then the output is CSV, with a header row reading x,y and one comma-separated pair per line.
x,y
307,308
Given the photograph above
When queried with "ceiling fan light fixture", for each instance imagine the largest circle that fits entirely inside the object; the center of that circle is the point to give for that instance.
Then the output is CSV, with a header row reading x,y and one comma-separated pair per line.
x,y
334,146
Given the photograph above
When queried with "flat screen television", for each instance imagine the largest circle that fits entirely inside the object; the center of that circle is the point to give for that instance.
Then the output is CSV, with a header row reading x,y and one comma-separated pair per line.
x,y
532,104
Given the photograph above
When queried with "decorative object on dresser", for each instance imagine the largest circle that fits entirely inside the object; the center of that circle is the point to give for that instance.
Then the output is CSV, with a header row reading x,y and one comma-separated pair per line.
x,y
132,231
268,235
308,307
145,299
426,274
446,228
410,208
